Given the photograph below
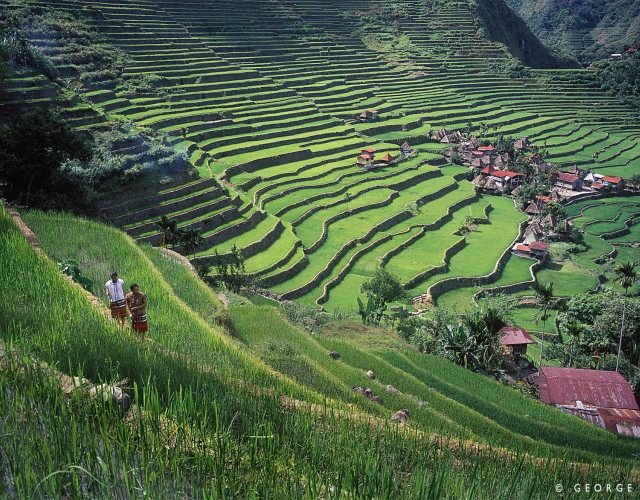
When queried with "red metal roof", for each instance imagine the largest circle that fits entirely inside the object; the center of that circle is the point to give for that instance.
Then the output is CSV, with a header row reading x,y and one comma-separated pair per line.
x,y
369,150
596,387
612,180
539,246
564,177
546,199
522,248
486,148
597,185
365,156
387,157
498,173
512,335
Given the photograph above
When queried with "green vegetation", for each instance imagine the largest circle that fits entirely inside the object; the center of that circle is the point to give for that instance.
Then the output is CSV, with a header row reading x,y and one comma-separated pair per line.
x,y
586,29
230,131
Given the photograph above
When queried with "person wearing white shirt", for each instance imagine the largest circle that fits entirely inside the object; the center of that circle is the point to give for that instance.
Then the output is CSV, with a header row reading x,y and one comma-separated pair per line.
x,y
115,292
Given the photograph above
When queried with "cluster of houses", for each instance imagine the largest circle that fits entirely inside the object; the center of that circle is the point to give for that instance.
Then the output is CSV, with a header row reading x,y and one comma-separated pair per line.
x,y
366,159
603,398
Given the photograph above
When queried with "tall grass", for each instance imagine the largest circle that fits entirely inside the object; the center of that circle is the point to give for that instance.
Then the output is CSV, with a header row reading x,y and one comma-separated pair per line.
x,y
193,433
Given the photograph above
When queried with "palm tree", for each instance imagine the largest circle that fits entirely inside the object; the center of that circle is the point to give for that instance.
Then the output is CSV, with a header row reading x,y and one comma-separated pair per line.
x,y
626,276
573,329
167,228
191,239
544,298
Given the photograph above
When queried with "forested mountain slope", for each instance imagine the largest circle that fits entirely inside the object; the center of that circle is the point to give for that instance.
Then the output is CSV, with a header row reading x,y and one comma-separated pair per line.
x,y
586,29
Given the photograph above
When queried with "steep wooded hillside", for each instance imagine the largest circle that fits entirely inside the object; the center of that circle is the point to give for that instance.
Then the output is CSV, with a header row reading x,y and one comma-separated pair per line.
x,y
586,29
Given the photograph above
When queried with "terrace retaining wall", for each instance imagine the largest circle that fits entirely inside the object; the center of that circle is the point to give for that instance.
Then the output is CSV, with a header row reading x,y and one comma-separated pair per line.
x,y
174,193
327,222
160,210
449,284
520,286
204,224
185,216
282,261
233,231
271,161
286,275
315,281
448,253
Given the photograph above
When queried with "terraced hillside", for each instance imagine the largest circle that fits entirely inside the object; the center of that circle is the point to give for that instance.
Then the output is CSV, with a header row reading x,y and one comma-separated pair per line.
x,y
263,97
266,410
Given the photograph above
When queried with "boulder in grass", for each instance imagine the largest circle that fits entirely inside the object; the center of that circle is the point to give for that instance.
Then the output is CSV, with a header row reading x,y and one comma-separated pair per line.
x,y
390,388
400,417
363,391
334,355
376,399
370,374
310,320
110,393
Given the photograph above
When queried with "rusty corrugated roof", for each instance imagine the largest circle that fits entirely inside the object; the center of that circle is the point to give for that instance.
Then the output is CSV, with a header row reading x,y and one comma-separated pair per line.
x,y
619,420
596,387
512,335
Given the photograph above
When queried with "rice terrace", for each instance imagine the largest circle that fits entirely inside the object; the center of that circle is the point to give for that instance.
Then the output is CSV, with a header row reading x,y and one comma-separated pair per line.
x,y
320,249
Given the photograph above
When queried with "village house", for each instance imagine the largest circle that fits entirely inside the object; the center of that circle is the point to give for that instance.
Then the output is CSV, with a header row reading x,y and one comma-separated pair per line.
x,y
406,149
439,134
521,144
387,158
488,150
368,114
569,181
363,161
534,232
534,209
453,137
614,183
539,249
515,340
521,250
503,178
574,170
590,178
365,158
603,398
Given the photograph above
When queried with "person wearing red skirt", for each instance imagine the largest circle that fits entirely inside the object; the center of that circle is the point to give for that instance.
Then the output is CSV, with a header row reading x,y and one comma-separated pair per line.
x,y
137,303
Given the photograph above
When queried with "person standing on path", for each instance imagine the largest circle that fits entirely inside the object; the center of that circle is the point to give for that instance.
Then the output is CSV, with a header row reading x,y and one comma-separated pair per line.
x,y
137,303
115,292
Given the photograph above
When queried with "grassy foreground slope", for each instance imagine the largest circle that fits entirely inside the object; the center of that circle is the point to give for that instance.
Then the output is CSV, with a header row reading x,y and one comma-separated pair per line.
x,y
310,453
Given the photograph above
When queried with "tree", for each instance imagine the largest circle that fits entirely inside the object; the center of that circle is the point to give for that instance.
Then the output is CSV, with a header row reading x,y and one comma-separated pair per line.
x,y
544,298
556,210
33,146
573,329
485,326
191,239
347,197
383,288
231,271
626,276
635,180
168,229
